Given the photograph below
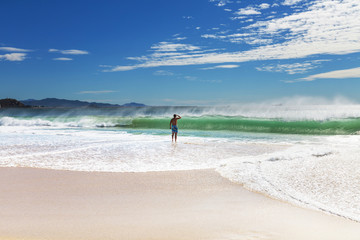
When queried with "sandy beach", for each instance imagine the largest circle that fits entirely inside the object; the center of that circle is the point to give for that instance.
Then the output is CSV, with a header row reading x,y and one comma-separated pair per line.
x,y
50,204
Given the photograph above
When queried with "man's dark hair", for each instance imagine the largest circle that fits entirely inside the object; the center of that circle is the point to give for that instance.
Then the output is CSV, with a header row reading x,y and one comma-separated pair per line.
x,y
174,115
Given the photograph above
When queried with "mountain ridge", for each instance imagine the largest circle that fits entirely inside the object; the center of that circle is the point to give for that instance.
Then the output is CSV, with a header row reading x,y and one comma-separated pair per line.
x,y
55,102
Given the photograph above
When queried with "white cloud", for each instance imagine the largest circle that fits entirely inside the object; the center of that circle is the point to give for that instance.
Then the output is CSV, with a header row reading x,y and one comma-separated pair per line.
x,y
214,36
96,92
17,54
338,74
221,3
248,11
162,50
14,57
180,38
324,27
238,18
240,38
12,49
291,2
264,5
69,52
74,52
121,68
62,59
173,47
327,27
105,66
293,68
221,66
256,41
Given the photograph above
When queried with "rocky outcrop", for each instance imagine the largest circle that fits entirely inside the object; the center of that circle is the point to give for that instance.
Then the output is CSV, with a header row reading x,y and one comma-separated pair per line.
x,y
11,103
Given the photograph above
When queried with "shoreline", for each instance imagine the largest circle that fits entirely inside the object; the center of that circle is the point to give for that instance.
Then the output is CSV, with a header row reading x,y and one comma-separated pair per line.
x,y
197,204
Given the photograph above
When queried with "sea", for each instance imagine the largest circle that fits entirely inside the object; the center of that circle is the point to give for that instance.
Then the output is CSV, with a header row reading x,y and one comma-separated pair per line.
x,y
304,154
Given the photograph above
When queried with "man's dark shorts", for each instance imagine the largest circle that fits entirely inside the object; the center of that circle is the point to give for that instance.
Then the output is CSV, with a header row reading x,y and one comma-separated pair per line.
x,y
174,129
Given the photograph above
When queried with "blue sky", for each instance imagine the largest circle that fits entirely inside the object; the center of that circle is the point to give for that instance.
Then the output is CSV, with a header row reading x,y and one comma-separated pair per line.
x,y
184,52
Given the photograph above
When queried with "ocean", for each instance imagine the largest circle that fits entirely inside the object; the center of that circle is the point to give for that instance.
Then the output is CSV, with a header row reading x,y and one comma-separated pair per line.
x,y
307,155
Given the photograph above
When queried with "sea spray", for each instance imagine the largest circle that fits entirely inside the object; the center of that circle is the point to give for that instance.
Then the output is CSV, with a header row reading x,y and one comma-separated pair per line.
x,y
203,123
304,154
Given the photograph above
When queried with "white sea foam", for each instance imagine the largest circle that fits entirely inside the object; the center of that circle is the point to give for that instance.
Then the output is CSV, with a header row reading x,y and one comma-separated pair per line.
x,y
316,172
62,122
10,121
323,174
114,151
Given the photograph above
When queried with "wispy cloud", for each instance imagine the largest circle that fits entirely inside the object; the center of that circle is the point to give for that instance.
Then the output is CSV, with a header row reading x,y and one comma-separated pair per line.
x,y
14,57
173,47
122,68
69,52
105,66
196,79
291,2
326,24
96,92
248,11
251,10
163,50
221,66
163,73
180,38
292,68
62,59
220,3
264,5
338,74
248,38
322,27
13,49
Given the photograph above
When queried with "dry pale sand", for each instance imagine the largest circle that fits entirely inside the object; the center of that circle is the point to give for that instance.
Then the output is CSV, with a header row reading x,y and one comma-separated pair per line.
x,y
48,204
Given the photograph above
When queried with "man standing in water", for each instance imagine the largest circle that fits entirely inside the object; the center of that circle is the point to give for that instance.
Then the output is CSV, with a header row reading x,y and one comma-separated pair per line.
x,y
173,127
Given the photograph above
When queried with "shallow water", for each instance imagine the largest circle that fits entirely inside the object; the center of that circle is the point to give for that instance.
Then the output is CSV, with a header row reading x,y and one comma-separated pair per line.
x,y
317,166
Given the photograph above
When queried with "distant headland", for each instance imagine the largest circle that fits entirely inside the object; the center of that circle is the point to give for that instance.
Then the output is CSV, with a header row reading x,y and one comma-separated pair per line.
x,y
11,103
59,103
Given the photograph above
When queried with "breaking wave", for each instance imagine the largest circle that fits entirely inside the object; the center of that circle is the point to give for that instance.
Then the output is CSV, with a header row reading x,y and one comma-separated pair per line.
x,y
314,120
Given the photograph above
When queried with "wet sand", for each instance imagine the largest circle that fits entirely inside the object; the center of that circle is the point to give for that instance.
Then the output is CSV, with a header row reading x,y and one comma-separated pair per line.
x,y
199,204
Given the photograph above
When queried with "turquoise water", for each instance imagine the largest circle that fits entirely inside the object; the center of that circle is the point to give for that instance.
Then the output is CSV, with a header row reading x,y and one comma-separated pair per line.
x,y
240,124
306,155
193,120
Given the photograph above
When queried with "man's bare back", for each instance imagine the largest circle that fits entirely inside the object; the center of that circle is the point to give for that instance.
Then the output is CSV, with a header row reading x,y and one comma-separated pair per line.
x,y
174,121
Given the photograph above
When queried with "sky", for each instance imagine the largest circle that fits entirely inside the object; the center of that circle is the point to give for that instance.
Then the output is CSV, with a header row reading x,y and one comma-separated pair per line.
x,y
161,52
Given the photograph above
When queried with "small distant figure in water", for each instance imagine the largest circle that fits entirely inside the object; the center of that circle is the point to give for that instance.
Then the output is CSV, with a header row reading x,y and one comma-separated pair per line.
x,y
173,127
